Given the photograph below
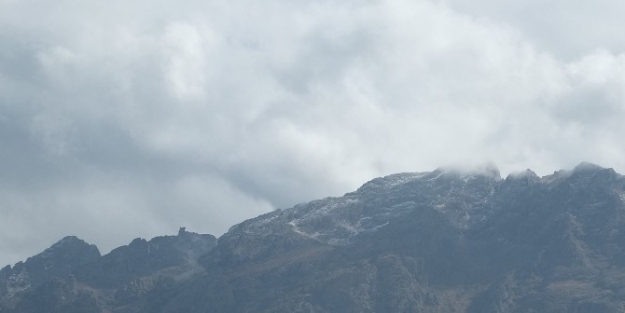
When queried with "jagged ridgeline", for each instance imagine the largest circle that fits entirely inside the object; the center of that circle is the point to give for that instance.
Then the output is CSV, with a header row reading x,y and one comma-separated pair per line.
x,y
441,241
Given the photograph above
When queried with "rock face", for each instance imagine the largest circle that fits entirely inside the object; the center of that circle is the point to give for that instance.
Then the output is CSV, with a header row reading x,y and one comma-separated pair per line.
x,y
441,241
72,276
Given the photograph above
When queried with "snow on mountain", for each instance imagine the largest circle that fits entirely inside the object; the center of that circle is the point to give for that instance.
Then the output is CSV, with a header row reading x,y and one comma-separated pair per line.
x,y
339,220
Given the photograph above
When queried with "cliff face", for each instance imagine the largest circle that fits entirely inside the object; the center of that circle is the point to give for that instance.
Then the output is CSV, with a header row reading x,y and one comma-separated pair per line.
x,y
441,241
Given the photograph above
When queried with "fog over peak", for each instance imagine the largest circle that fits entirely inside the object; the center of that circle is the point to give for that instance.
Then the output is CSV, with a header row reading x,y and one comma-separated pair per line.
x,y
120,120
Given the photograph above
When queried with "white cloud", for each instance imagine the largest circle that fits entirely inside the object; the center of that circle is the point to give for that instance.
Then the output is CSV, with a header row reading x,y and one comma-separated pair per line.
x,y
140,117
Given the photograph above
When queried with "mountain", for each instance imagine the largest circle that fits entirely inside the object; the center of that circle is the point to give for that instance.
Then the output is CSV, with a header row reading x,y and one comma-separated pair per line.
x,y
72,276
440,241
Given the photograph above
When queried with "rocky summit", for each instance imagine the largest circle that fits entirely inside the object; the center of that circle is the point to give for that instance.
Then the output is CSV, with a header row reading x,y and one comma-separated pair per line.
x,y
440,241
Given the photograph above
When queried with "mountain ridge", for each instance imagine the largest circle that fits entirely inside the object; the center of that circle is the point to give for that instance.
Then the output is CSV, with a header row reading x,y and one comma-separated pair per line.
x,y
441,241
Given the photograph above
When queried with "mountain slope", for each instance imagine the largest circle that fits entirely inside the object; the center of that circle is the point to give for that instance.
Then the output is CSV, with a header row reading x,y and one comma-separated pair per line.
x,y
441,241
72,276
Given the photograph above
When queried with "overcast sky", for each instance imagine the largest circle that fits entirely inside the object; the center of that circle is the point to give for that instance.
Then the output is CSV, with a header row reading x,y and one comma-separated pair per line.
x,y
124,119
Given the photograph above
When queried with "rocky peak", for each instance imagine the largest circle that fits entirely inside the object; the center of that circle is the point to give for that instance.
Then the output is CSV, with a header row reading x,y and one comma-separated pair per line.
x,y
449,240
61,259
70,246
142,257
587,167
487,170
381,184
457,193
526,174
73,258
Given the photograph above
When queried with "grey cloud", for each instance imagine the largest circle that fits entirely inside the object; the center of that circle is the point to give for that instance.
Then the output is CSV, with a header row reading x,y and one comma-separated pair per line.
x,y
131,119
567,29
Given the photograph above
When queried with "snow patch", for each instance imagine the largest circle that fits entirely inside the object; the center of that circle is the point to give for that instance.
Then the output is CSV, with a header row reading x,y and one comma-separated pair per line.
x,y
302,233
402,179
19,282
437,176
379,226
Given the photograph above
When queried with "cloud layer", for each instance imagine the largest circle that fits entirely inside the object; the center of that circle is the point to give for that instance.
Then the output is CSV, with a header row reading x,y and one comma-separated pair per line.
x,y
126,119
